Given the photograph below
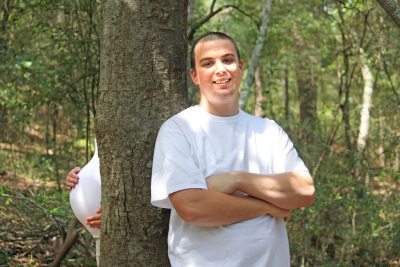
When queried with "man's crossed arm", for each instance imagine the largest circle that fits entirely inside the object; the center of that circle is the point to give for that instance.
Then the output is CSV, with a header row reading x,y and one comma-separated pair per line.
x,y
289,190
273,195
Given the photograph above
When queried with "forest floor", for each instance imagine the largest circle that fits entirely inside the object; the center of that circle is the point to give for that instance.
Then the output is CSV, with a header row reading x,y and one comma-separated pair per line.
x,y
33,222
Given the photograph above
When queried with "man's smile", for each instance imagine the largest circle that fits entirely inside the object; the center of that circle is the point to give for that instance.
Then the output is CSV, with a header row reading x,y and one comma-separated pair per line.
x,y
222,81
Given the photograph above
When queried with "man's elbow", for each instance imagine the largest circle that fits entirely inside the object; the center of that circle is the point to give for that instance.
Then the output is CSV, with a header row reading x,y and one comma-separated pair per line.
x,y
186,204
188,214
308,195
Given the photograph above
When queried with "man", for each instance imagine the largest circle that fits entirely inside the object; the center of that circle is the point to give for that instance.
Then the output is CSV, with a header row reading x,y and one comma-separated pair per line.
x,y
229,178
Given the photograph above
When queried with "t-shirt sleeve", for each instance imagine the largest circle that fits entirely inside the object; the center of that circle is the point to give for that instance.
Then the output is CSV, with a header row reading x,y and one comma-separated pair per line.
x,y
174,166
286,158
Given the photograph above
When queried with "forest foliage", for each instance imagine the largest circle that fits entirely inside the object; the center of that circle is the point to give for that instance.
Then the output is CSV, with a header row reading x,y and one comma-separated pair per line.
x,y
311,82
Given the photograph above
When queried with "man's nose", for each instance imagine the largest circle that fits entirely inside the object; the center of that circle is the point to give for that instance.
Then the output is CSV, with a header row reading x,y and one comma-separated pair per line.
x,y
220,67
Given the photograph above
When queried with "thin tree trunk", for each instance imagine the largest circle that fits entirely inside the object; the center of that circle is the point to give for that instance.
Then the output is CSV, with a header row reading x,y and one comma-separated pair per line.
x,y
345,78
87,109
381,150
365,115
346,117
307,93
6,7
366,105
255,56
55,151
287,99
191,88
260,99
142,83
308,100
5,12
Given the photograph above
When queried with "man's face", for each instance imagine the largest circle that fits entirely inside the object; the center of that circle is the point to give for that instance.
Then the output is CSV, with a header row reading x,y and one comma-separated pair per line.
x,y
218,72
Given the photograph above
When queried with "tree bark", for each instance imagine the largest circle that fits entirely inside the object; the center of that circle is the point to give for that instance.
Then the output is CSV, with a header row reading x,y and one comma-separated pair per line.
x,y
392,8
255,56
142,83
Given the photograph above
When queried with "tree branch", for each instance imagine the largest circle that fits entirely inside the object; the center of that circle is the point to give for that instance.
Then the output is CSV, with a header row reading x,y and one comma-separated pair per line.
x,y
256,54
212,14
70,240
212,5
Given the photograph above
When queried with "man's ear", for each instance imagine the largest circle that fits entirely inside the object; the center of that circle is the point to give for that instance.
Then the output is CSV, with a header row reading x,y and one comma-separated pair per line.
x,y
193,75
241,64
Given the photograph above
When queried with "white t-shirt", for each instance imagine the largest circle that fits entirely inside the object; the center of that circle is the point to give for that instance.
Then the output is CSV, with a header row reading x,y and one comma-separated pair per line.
x,y
195,144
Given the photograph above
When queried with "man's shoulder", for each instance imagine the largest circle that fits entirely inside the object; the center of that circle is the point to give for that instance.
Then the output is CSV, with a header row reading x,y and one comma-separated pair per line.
x,y
180,119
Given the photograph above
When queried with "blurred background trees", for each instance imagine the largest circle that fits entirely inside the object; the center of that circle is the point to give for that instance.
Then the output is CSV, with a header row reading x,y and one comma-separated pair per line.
x,y
328,72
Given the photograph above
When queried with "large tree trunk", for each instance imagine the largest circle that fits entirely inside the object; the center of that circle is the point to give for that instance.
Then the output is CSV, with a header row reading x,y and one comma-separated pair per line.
x,y
142,83
255,56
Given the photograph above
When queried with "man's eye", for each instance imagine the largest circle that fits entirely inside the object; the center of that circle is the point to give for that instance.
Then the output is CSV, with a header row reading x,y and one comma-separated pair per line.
x,y
207,64
228,60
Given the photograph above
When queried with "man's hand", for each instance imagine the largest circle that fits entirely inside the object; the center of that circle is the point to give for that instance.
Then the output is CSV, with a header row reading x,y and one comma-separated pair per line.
x,y
277,212
94,221
72,178
223,182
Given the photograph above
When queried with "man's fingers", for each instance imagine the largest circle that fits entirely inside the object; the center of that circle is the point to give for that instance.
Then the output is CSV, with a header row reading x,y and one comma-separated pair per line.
x,y
95,220
72,181
92,218
70,185
76,170
95,224
72,178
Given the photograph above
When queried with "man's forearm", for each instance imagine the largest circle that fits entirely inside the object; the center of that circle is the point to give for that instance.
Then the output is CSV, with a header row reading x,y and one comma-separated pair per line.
x,y
210,208
289,190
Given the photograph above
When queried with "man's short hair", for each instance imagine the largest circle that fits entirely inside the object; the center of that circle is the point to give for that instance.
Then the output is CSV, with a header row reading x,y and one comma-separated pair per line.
x,y
211,36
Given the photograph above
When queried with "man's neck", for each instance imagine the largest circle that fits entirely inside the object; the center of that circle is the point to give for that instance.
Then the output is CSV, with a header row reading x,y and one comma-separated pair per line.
x,y
226,110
